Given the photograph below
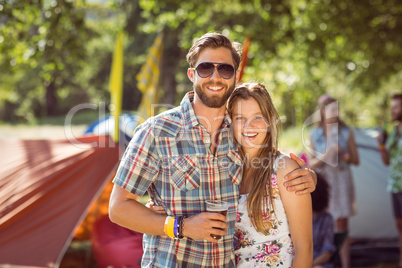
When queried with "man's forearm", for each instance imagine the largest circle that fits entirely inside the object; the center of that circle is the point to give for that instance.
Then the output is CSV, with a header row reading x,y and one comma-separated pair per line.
x,y
133,215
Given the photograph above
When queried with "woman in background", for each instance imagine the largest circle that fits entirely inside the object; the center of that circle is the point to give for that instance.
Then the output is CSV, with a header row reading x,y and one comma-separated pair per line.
x,y
334,150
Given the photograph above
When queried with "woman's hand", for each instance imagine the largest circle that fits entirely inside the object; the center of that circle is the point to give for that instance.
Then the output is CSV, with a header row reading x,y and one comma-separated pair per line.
x,y
159,209
346,157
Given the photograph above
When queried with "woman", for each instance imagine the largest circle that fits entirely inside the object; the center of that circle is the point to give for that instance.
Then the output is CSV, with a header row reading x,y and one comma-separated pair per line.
x,y
335,150
266,235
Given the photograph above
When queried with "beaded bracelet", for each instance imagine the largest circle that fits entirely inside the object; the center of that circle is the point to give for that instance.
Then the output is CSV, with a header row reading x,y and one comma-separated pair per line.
x,y
181,227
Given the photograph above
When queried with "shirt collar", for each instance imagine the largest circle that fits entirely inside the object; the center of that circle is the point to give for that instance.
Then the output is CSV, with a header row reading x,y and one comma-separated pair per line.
x,y
189,116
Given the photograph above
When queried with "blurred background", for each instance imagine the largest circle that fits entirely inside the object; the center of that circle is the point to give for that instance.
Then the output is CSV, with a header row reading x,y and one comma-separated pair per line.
x,y
57,55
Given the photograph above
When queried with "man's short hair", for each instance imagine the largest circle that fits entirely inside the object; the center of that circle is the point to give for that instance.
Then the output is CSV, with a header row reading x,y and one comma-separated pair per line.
x,y
214,40
397,97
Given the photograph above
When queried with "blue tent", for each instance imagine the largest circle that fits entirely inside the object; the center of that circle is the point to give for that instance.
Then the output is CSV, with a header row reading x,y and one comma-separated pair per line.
x,y
105,126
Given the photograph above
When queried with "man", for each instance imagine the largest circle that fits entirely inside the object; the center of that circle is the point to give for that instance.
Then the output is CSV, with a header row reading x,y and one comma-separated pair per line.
x,y
184,157
391,154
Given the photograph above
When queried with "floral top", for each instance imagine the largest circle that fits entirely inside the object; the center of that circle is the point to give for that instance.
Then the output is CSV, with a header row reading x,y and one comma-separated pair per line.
x,y
273,249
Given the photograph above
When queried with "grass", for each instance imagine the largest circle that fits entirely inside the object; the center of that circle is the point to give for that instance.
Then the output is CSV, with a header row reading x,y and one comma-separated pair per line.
x,y
50,127
79,118
294,140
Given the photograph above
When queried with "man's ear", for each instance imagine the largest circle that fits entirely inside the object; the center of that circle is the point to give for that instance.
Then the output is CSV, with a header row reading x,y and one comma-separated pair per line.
x,y
237,76
190,74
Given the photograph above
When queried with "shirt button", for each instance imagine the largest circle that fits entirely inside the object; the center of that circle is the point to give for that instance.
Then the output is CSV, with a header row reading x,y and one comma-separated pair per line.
x,y
207,141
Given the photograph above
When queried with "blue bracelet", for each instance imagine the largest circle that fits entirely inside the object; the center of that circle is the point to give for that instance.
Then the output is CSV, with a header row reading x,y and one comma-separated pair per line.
x,y
175,227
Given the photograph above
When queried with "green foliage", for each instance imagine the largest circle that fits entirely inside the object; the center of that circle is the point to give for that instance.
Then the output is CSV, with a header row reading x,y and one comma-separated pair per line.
x,y
56,54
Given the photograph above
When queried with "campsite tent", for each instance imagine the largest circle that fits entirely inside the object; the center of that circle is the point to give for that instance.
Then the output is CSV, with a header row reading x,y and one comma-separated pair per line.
x,y
105,126
46,187
374,219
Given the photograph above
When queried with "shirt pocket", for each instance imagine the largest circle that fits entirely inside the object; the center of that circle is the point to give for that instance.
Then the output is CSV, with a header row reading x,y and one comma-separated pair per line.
x,y
184,173
235,167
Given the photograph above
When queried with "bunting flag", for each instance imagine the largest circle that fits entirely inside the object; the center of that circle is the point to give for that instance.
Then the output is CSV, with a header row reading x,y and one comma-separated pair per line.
x,y
246,44
148,78
116,84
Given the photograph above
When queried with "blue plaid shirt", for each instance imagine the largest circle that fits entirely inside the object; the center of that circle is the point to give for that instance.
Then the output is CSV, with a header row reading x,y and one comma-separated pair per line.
x,y
169,156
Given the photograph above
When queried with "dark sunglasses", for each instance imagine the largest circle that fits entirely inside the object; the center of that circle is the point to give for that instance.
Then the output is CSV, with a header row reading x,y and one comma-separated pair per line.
x,y
206,69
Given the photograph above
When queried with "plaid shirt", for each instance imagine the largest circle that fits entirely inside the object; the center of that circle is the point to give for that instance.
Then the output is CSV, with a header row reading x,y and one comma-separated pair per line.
x,y
169,156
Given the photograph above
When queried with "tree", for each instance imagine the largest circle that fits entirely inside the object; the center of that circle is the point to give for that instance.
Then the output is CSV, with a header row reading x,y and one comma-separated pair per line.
x,y
293,42
61,50
44,49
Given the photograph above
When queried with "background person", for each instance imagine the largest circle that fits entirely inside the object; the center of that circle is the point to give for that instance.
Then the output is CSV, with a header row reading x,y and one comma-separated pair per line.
x,y
391,154
335,150
323,225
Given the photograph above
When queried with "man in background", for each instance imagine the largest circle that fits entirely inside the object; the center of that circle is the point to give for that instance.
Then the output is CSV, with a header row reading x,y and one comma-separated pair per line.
x,y
391,154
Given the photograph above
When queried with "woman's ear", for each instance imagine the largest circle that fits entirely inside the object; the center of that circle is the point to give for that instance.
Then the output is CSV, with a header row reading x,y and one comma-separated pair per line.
x,y
190,74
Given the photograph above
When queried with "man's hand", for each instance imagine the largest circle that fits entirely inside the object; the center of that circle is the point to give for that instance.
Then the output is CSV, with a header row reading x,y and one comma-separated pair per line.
x,y
301,180
381,138
199,226
202,225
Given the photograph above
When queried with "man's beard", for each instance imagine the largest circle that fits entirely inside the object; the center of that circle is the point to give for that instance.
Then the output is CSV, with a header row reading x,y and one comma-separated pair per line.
x,y
213,102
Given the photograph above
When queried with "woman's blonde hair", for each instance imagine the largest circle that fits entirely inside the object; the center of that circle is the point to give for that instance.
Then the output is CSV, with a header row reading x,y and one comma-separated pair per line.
x,y
257,204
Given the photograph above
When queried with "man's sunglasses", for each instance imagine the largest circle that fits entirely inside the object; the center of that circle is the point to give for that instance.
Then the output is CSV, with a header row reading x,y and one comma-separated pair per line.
x,y
206,69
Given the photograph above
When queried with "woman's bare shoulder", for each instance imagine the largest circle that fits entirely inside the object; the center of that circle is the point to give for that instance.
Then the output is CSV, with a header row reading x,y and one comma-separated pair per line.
x,y
285,166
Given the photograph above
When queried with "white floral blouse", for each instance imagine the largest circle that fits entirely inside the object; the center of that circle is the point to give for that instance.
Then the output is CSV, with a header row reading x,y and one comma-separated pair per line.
x,y
273,249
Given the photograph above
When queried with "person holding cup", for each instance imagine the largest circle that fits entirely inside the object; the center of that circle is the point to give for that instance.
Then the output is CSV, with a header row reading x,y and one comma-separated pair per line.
x,y
217,206
184,157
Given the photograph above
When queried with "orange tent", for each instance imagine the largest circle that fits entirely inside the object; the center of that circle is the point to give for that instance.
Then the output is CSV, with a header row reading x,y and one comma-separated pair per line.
x,y
46,188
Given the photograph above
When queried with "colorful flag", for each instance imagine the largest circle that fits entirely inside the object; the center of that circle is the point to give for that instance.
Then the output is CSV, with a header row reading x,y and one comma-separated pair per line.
x,y
244,59
116,84
148,78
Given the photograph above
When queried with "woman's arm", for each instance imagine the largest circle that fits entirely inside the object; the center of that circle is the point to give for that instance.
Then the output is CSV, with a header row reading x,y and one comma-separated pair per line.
x,y
352,148
299,213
